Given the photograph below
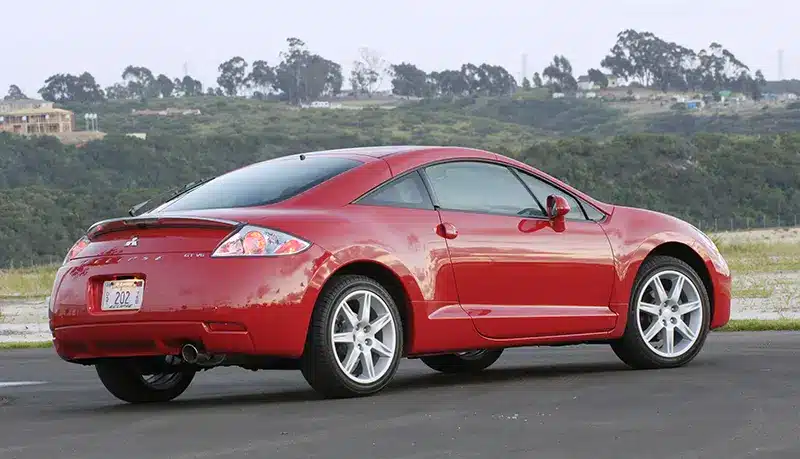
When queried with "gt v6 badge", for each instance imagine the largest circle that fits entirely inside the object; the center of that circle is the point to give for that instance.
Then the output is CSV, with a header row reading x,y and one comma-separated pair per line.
x,y
133,242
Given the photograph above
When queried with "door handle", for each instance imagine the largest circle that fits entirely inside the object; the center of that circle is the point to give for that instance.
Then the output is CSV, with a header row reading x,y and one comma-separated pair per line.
x,y
447,230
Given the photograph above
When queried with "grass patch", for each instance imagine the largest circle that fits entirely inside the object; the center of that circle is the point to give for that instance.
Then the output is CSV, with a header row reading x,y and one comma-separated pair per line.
x,y
759,248
753,325
761,257
35,282
27,345
753,292
763,264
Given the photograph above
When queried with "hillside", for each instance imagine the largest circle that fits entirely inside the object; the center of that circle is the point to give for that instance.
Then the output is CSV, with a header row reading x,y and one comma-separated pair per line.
x,y
50,192
508,123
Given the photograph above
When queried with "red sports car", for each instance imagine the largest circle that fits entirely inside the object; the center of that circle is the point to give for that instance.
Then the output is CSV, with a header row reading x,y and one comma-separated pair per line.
x,y
339,263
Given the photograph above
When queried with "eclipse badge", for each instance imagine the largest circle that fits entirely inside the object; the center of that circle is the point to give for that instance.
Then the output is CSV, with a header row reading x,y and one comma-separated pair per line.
x,y
133,242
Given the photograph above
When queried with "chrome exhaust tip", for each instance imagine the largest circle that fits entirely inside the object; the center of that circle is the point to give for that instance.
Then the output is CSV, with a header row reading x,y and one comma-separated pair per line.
x,y
189,353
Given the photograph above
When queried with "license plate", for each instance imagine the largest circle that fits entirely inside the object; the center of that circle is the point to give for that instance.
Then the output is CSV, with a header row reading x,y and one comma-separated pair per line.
x,y
122,295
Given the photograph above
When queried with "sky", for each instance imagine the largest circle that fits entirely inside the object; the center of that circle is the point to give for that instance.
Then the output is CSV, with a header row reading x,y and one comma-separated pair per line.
x,y
103,37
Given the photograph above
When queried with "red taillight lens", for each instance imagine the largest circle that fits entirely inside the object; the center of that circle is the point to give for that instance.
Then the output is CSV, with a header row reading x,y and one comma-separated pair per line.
x,y
76,249
255,241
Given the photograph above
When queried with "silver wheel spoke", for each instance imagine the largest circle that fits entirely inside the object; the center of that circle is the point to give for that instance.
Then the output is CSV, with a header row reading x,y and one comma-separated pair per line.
x,y
685,330
352,360
653,330
688,307
349,314
379,323
661,294
649,308
366,308
677,289
382,349
669,340
367,364
346,338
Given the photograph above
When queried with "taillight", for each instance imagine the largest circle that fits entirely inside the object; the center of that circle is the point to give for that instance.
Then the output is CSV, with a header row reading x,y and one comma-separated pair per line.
x,y
76,249
253,241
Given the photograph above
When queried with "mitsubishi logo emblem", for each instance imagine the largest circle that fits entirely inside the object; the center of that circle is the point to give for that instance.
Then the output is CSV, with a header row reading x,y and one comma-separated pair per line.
x,y
133,242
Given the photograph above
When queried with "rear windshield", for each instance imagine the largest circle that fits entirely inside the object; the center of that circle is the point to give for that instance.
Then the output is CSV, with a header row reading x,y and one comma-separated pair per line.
x,y
263,183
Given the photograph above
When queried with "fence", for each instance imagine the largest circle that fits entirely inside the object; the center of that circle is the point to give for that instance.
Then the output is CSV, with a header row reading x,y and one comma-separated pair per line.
x,y
721,224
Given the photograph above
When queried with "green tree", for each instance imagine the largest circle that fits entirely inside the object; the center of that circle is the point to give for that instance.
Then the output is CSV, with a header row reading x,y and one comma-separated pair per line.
x,y
232,75
410,81
70,88
597,77
559,75
14,93
141,82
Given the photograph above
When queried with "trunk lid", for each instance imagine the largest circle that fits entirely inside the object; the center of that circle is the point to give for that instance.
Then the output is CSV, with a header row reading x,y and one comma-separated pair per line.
x,y
157,234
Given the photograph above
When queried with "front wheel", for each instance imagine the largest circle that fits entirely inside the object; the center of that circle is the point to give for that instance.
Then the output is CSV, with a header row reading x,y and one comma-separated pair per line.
x,y
668,316
130,382
463,362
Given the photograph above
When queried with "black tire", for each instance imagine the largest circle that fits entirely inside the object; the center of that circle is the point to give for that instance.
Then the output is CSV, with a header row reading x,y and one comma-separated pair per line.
x,y
631,348
124,380
319,363
463,363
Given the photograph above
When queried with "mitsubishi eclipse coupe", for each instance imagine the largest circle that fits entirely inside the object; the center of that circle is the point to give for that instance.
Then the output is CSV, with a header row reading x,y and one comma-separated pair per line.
x,y
340,263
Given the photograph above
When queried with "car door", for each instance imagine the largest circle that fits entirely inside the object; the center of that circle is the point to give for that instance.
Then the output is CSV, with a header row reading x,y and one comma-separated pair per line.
x,y
515,275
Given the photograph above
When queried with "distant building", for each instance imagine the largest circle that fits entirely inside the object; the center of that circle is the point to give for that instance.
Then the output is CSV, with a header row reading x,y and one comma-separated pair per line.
x,y
29,116
167,112
585,84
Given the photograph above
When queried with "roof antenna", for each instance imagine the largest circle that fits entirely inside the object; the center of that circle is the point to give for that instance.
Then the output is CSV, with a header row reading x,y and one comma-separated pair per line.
x,y
302,157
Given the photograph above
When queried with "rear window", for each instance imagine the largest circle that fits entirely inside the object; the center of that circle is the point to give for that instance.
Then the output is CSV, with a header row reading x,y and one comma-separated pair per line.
x,y
263,183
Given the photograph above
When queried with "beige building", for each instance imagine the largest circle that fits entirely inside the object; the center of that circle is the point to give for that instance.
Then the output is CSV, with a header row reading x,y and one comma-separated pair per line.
x,y
34,117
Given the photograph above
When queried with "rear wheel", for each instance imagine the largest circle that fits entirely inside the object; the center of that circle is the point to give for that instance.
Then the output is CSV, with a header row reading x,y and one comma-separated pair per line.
x,y
132,382
355,341
463,362
668,316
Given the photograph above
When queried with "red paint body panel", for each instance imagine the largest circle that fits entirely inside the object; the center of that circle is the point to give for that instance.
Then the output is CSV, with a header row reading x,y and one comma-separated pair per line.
x,y
519,283
266,296
634,233
485,281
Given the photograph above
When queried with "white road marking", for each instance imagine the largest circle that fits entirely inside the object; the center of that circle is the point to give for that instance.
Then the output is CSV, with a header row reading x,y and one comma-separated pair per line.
x,y
20,383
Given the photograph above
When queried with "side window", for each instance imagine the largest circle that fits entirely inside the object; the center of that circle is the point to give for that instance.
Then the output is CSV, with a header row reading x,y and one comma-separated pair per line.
x,y
408,191
592,213
480,187
542,190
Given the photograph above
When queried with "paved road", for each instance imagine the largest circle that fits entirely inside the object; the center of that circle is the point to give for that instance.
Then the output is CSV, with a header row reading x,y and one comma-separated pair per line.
x,y
739,399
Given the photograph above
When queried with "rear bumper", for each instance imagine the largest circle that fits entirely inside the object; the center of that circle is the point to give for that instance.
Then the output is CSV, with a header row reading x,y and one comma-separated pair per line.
x,y
78,342
226,306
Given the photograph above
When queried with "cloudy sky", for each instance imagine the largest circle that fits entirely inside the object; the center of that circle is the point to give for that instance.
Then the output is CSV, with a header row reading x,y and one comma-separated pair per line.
x,y
50,36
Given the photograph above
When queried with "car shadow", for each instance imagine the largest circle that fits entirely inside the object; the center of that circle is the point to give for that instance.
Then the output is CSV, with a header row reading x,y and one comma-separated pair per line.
x,y
505,374
401,384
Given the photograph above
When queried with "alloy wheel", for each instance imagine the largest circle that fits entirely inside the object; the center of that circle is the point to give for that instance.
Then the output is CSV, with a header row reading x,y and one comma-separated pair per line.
x,y
363,334
669,313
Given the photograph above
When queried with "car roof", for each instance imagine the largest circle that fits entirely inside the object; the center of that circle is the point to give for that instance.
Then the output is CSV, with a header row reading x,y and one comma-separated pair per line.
x,y
380,151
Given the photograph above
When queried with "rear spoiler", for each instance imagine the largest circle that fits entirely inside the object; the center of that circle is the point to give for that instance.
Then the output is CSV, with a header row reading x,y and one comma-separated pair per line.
x,y
165,221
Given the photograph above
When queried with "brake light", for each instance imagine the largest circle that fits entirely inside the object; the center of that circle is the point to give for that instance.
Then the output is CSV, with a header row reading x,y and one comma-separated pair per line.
x,y
76,249
254,241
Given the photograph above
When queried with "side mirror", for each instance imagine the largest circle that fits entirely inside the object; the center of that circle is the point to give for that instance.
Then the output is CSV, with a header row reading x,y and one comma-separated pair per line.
x,y
557,208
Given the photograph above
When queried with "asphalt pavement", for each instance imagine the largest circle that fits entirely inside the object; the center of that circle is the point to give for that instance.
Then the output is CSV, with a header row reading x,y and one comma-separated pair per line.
x,y
738,399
